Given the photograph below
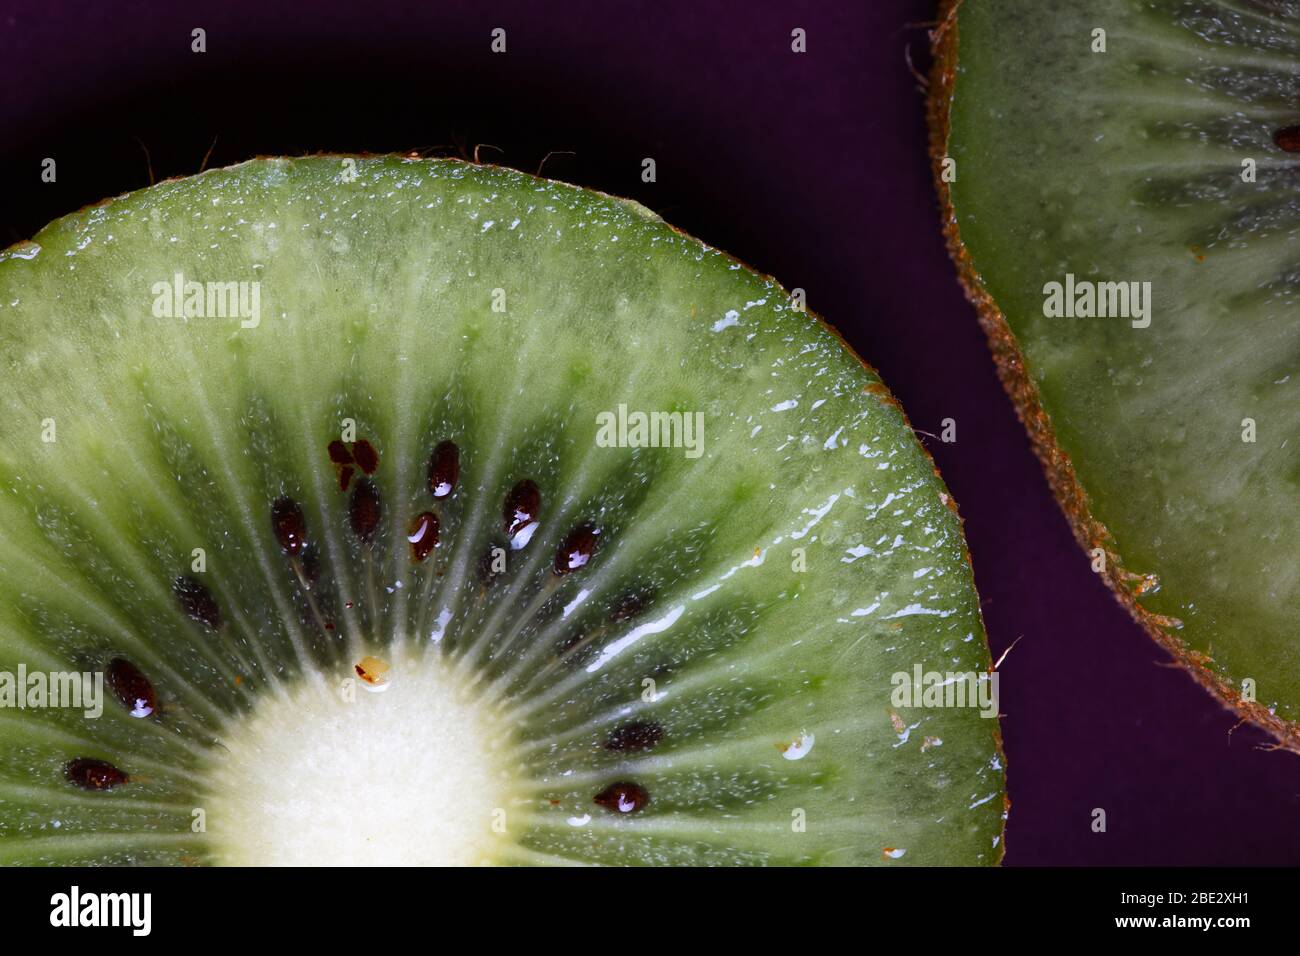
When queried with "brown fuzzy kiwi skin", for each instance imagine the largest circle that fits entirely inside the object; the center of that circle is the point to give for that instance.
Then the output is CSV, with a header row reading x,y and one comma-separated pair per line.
x,y
1070,494
877,389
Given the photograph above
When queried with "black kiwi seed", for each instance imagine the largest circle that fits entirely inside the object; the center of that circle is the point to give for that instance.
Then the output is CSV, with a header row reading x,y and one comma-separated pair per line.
x,y
363,511
197,601
642,735
364,454
91,774
339,453
423,535
522,507
623,797
132,689
577,549
289,525
444,469
1288,138
343,462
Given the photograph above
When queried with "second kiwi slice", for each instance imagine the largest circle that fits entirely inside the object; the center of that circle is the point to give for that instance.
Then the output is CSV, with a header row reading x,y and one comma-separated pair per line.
x,y
1121,189
421,512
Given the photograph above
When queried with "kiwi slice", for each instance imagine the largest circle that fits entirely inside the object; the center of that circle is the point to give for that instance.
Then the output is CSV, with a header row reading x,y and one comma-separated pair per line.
x,y
382,562
1120,181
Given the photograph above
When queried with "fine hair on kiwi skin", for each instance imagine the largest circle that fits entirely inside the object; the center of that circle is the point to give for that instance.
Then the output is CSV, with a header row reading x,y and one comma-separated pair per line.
x,y
1137,560
641,638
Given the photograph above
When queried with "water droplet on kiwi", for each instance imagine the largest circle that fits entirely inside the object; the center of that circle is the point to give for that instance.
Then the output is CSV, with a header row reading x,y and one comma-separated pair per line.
x,y
197,601
131,688
444,469
798,748
289,525
623,797
91,774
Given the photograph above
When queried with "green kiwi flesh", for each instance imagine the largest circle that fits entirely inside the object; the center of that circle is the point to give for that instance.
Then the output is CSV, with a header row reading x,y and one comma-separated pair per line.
x,y
676,655
1125,141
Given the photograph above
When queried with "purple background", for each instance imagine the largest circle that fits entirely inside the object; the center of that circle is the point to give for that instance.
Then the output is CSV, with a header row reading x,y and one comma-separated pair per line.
x,y
811,168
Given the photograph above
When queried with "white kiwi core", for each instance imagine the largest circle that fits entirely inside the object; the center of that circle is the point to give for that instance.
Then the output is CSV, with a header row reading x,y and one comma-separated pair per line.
x,y
332,773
